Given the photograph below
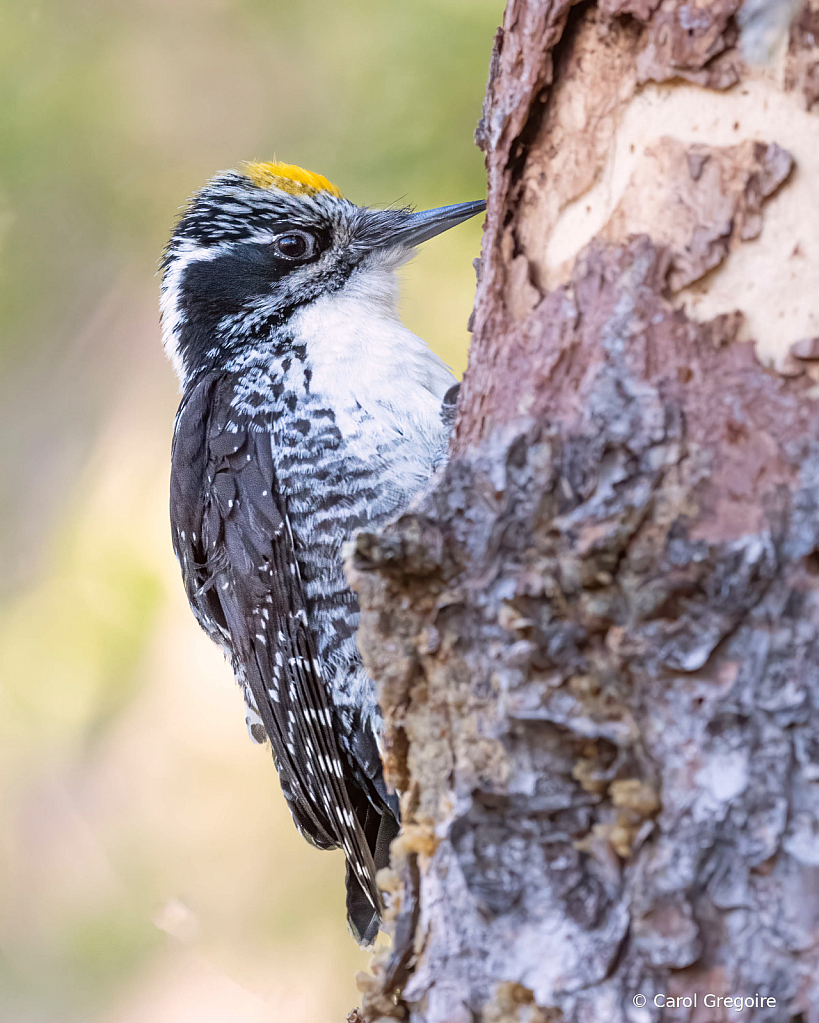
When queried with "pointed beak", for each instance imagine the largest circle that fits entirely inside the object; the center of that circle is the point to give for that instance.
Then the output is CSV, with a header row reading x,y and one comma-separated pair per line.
x,y
425,224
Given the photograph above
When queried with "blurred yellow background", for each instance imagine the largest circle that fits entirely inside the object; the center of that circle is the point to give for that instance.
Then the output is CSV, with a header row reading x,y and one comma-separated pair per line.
x,y
150,870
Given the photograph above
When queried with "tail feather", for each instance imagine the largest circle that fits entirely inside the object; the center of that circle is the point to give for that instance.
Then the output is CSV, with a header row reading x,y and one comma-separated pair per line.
x,y
380,828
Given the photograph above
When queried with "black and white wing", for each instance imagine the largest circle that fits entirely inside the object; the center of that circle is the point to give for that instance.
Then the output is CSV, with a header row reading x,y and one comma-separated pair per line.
x,y
234,543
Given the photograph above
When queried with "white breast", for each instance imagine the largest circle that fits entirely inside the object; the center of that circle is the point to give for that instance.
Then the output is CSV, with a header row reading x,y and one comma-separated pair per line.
x,y
361,354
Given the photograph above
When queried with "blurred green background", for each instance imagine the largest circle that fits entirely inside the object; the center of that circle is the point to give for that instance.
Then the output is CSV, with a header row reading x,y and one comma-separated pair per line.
x,y
150,870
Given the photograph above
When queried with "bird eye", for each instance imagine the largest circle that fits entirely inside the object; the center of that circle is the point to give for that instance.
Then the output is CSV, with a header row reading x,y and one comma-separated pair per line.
x,y
295,245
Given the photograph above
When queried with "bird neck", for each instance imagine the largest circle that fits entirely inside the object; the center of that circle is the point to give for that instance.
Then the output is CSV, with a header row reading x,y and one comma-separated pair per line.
x,y
356,343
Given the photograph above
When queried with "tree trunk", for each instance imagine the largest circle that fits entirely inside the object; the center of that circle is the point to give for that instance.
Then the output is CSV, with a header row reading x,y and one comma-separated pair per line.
x,y
596,640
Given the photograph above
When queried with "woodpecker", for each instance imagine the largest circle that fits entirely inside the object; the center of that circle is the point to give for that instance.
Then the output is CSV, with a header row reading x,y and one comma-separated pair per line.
x,y
308,412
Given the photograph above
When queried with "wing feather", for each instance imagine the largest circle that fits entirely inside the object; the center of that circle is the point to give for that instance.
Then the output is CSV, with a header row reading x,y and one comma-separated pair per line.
x,y
238,556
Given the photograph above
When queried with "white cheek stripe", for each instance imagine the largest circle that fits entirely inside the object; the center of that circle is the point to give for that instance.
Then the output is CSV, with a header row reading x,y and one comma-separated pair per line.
x,y
171,316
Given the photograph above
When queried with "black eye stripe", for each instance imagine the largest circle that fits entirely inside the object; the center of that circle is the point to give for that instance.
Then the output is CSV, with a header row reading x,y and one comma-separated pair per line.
x,y
227,284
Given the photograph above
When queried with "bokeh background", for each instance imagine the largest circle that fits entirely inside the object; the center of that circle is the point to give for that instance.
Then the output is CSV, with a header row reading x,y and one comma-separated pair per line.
x,y
149,870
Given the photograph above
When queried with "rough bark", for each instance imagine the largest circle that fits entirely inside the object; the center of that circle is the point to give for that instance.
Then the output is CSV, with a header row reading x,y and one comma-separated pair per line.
x,y
597,639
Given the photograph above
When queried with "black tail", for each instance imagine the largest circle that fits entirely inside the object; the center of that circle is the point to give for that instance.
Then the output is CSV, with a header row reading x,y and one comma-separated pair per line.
x,y
380,827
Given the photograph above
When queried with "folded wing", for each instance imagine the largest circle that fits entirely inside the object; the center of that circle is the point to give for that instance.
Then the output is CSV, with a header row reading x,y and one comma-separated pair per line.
x,y
234,543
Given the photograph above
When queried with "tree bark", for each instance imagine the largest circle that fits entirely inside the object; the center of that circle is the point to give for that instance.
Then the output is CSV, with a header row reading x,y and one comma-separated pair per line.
x,y
596,640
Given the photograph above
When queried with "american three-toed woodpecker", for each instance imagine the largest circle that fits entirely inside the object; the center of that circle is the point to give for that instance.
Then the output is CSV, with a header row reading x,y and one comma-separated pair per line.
x,y
308,412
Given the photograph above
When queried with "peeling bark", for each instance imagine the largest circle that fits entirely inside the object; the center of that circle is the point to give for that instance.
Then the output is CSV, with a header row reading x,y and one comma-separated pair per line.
x,y
596,640
802,69
711,201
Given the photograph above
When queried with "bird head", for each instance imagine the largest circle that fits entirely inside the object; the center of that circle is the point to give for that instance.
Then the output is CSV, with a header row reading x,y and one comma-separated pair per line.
x,y
258,243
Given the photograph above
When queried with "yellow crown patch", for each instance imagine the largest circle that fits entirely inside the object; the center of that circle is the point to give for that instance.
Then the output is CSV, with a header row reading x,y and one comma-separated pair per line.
x,y
288,178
